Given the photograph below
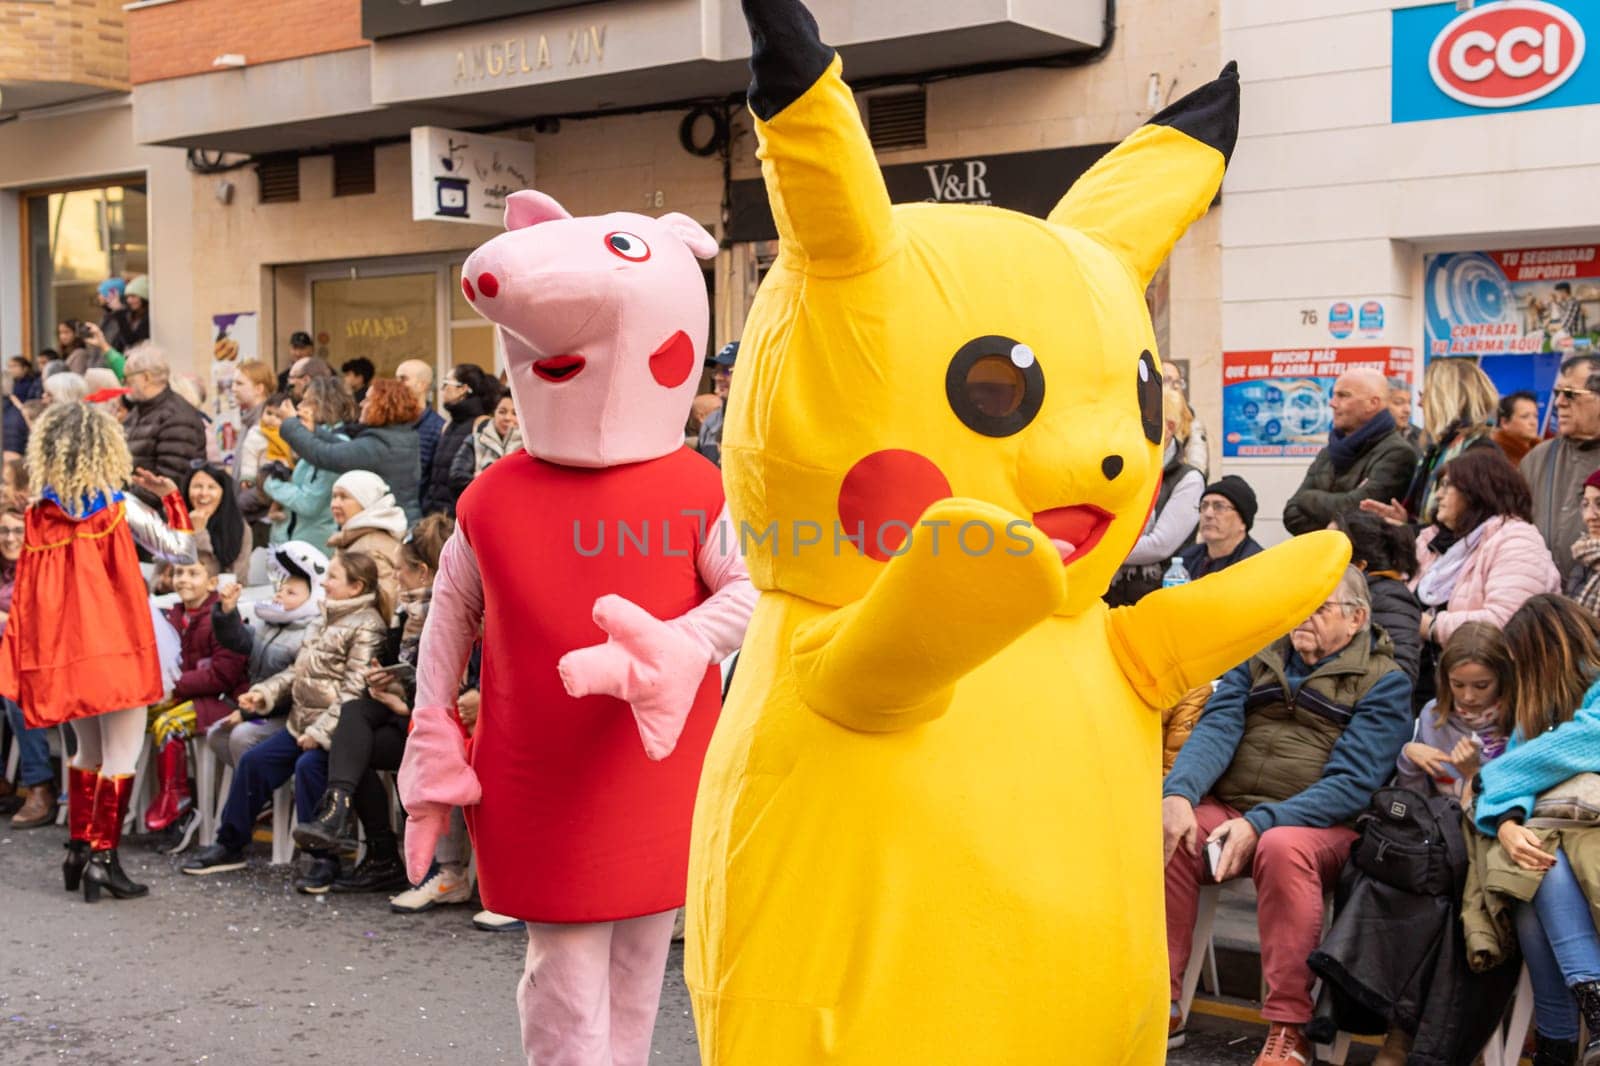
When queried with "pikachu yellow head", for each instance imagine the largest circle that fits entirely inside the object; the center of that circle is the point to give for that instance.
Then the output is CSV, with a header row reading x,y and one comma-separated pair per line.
x,y
899,355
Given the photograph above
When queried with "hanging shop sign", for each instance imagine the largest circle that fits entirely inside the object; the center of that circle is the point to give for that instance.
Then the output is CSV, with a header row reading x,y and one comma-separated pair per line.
x,y
1501,55
1275,404
1030,182
465,177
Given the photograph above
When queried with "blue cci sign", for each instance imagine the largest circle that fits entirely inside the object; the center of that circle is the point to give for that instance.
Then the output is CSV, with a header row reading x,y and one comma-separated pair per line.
x,y
1502,55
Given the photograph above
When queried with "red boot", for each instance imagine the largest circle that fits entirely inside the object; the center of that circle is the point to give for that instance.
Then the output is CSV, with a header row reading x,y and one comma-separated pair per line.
x,y
104,872
81,786
172,786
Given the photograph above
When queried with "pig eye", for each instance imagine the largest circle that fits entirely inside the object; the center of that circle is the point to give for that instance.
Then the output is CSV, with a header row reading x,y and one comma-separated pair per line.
x,y
627,246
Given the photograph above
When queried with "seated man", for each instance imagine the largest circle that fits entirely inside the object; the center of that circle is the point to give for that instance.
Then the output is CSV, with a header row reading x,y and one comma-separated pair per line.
x,y
1227,511
1291,748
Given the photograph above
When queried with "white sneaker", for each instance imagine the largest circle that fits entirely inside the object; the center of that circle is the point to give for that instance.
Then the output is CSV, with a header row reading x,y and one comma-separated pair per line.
x,y
490,922
448,885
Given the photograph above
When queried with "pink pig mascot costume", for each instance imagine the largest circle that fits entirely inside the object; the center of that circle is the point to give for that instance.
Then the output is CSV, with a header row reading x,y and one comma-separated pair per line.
x,y
579,828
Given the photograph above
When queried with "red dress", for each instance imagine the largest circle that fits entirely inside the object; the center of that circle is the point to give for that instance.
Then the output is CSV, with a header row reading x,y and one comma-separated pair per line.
x,y
576,823
80,640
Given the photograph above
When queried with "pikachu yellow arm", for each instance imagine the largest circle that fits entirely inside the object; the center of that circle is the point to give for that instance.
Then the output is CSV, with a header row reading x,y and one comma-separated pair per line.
x,y
828,196
891,659
1177,638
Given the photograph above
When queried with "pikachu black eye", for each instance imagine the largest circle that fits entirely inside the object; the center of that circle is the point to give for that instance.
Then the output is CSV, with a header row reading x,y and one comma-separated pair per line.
x,y
1150,413
995,386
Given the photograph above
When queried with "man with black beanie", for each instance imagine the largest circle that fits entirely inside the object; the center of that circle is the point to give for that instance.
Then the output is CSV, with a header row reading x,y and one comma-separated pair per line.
x,y
1227,511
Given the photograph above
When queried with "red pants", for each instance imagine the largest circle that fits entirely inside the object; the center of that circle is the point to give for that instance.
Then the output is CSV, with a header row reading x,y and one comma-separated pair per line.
x,y
1294,869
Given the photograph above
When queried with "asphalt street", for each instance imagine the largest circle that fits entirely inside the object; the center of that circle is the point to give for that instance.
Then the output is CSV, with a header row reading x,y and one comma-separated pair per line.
x,y
238,970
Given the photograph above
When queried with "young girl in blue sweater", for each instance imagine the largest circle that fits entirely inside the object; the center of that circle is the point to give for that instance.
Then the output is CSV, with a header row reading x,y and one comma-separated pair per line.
x,y
1556,702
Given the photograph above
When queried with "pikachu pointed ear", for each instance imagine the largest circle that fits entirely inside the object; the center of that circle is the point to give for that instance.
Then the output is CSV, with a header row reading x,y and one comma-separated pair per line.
x,y
1142,195
828,197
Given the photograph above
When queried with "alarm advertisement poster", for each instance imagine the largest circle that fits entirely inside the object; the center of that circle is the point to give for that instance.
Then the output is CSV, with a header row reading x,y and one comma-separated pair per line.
x,y
1275,404
1517,313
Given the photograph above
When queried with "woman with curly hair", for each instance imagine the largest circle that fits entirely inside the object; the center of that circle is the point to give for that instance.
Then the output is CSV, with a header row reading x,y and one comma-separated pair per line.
x,y
385,442
79,575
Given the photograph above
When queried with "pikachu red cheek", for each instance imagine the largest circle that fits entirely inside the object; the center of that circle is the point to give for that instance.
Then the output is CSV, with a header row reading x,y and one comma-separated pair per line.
x,y
882,497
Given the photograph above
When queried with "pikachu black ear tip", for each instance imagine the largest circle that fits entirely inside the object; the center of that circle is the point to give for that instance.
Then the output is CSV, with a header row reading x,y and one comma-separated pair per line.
x,y
1210,114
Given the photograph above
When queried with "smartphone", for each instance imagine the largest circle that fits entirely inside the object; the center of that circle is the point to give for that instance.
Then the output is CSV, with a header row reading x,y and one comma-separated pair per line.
x,y
1214,856
404,673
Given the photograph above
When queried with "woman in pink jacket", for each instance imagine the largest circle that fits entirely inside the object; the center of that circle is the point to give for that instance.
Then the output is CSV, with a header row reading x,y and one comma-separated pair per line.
x,y
1482,558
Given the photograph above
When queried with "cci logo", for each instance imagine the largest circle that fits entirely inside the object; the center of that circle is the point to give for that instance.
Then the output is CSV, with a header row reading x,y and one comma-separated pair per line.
x,y
1502,55
1506,54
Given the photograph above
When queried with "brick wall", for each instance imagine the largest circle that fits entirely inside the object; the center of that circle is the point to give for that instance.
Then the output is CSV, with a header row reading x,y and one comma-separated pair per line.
x,y
172,40
81,42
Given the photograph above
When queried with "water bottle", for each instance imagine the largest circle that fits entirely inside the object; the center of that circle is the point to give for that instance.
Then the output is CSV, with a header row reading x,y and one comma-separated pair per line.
x,y
1176,575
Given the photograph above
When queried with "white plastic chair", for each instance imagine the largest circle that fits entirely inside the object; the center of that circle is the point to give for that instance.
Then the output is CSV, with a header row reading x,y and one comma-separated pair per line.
x,y
1203,953
208,796
1505,1048
283,823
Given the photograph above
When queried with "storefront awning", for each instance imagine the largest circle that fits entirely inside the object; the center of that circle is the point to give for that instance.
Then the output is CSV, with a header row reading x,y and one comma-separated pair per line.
x,y
576,59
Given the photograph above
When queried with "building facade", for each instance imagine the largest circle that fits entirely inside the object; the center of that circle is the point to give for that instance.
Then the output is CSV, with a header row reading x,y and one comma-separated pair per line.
x,y
1411,183
299,118
80,199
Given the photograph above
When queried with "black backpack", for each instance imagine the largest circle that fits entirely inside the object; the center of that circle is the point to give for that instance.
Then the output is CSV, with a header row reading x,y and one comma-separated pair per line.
x,y
1412,842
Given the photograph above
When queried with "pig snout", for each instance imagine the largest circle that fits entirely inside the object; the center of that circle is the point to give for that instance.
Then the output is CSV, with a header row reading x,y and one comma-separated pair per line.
x,y
546,309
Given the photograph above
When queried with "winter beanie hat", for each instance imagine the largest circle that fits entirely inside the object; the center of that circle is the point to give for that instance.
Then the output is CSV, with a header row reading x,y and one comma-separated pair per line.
x,y
368,488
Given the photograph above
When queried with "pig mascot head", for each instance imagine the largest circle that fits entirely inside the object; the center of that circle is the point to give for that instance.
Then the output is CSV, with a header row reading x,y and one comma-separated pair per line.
x,y
604,321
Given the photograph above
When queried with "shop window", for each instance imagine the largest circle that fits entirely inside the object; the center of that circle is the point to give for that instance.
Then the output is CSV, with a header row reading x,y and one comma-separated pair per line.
x,y
388,318
354,172
76,239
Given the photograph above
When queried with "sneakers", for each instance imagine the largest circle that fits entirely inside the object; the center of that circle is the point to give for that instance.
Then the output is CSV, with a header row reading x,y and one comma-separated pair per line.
x,y
446,885
1177,1033
180,834
381,871
1286,1046
319,877
215,859
490,922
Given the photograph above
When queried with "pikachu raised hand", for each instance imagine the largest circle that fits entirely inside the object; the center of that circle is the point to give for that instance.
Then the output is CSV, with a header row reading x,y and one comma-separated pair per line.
x,y
928,827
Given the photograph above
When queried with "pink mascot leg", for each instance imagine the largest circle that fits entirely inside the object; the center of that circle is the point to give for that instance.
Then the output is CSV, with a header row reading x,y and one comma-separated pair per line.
x,y
564,995
639,949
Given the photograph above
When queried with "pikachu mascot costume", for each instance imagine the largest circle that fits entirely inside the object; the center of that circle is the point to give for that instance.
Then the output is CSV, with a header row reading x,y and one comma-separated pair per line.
x,y
928,826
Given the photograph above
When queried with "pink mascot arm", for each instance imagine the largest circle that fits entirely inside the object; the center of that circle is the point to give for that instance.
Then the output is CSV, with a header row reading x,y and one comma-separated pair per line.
x,y
656,666
434,774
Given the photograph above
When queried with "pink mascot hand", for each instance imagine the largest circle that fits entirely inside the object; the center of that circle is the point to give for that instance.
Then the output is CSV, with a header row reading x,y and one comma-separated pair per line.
x,y
656,666
434,777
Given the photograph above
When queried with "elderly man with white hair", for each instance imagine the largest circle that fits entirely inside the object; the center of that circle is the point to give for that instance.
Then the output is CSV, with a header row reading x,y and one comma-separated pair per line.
x,y
1367,458
1290,749
166,434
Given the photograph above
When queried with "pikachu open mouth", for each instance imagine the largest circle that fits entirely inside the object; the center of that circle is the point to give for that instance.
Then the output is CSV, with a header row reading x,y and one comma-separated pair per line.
x,y
1075,531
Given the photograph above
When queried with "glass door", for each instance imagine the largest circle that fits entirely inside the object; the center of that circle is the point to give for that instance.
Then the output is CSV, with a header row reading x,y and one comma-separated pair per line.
x,y
77,238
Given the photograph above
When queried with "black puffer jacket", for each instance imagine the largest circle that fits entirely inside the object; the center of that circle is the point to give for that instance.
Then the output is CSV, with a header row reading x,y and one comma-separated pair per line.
x,y
1395,608
165,434
436,495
